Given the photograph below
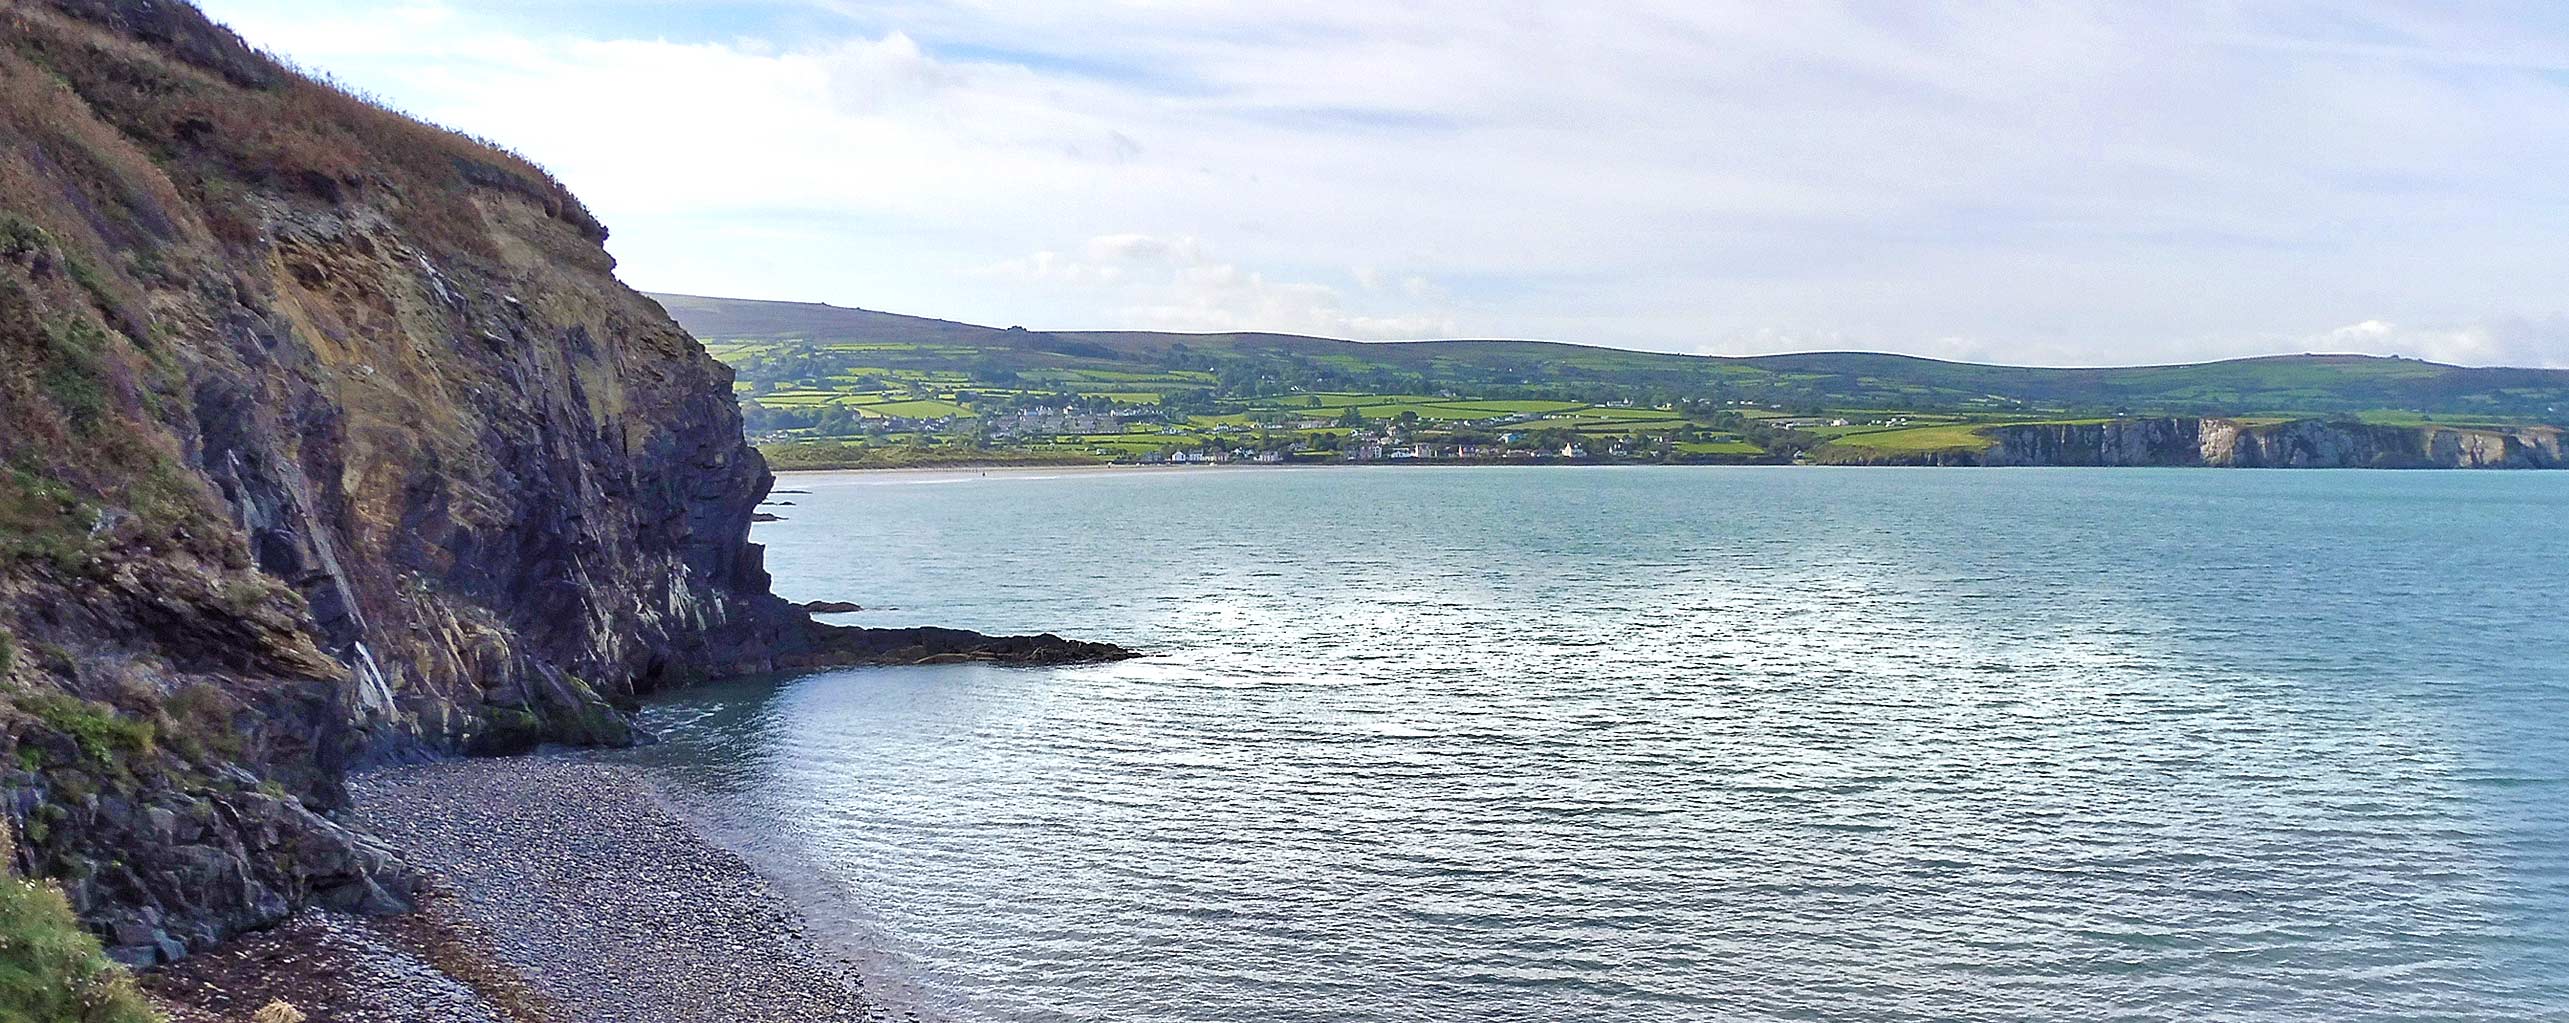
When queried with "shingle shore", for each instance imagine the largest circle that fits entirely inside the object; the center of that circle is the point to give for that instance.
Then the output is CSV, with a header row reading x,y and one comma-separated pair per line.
x,y
600,893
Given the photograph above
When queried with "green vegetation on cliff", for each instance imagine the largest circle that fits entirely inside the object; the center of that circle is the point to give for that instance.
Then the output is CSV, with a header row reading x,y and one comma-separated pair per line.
x,y
51,969
106,739
1953,437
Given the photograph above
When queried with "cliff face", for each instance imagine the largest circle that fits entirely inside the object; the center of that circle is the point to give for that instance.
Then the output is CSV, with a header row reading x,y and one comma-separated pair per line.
x,y
2312,443
325,436
2246,444
2290,444
2120,442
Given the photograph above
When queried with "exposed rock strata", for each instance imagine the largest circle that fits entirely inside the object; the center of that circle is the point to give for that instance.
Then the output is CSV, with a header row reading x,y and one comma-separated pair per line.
x,y
326,437
2236,443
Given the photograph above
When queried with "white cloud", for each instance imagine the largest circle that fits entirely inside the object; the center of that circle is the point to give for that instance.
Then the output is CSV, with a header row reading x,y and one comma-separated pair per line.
x,y
1150,282
2541,342
2084,182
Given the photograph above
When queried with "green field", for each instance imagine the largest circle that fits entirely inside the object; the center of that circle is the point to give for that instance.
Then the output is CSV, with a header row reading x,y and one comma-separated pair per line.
x,y
1957,437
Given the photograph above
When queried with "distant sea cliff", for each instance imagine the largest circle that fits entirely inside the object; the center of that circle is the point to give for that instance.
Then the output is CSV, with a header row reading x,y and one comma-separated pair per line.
x,y
2234,443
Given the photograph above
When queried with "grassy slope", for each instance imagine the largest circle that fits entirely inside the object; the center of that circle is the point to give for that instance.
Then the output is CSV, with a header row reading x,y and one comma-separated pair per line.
x,y
51,969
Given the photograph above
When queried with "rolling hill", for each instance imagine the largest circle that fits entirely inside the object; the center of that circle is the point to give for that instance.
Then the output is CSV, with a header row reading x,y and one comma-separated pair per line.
x,y
784,342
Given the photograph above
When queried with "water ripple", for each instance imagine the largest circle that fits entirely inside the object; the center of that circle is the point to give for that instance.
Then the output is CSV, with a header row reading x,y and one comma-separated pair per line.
x,y
1685,745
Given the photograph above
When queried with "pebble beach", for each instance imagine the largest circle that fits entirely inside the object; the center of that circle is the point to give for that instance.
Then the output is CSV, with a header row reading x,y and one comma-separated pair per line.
x,y
564,891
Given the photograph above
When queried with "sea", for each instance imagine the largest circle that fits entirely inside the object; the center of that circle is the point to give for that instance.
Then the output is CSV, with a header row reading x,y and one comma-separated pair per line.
x,y
1676,744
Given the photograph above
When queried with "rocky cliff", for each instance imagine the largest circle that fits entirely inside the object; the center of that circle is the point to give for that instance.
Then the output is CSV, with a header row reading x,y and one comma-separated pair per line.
x,y
325,437
2239,443
2312,443
2286,444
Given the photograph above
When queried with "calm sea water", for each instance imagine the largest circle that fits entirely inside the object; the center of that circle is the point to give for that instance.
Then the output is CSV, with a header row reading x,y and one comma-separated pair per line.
x,y
1683,744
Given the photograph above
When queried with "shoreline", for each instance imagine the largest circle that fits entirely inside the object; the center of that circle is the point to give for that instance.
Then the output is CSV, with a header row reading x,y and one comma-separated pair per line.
x,y
1020,469
610,898
1100,467
1023,468
563,888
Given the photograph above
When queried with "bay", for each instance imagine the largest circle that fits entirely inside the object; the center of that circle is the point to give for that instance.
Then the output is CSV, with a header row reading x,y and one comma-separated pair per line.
x,y
1680,744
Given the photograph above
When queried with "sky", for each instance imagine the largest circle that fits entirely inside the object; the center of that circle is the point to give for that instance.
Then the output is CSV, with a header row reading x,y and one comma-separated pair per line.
x,y
2061,183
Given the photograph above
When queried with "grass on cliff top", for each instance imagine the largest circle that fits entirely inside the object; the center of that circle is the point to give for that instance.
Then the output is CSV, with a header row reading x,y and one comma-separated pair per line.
x,y
51,969
1953,437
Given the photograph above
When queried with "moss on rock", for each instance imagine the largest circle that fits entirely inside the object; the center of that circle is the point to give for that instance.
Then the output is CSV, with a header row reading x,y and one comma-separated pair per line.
x,y
105,737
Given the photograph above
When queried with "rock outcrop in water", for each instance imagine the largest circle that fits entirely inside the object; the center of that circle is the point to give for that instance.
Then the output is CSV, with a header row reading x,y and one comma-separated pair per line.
x,y
329,437
2241,443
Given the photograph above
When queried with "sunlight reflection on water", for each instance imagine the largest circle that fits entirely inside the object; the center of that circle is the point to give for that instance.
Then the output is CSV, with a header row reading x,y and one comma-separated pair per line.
x,y
1682,744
